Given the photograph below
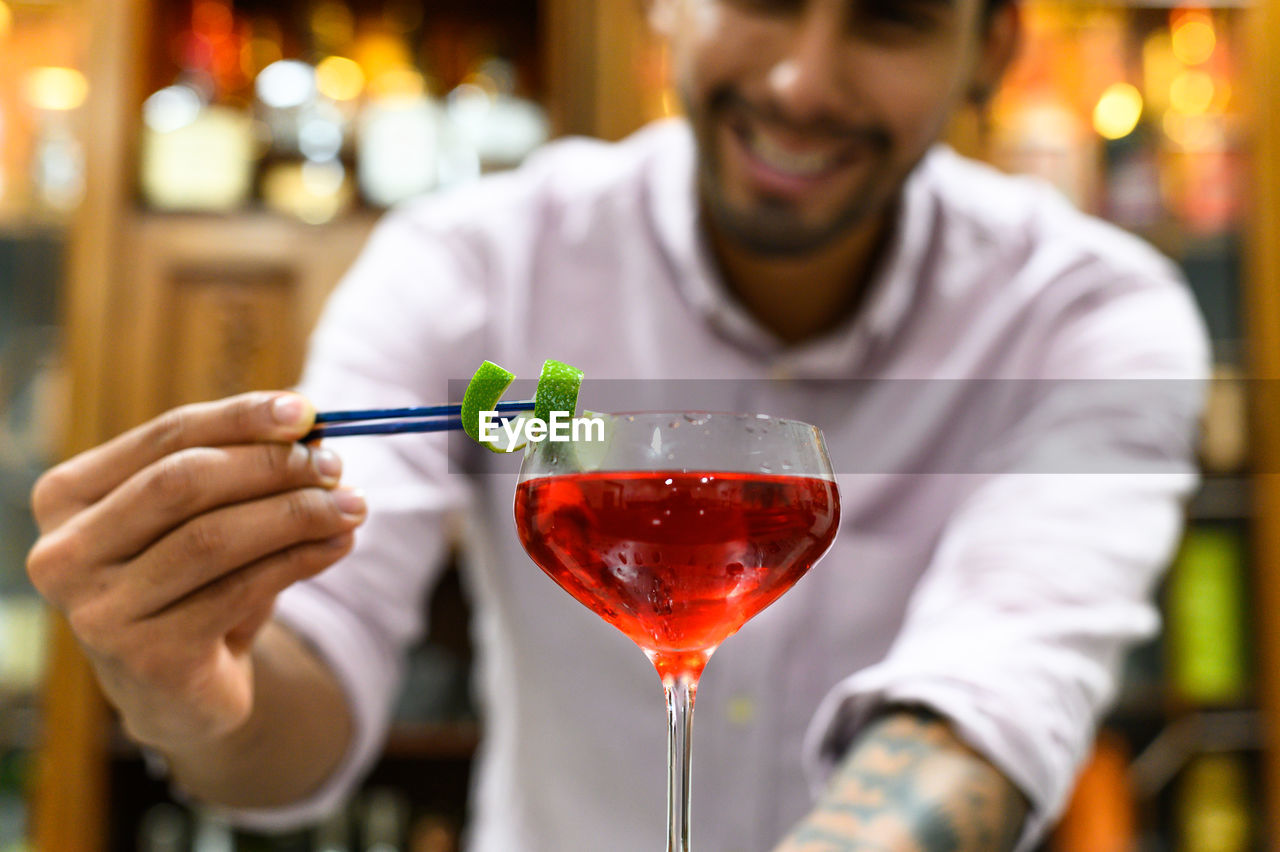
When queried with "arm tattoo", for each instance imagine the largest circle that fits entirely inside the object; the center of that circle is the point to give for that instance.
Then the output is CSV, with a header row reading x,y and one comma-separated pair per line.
x,y
908,785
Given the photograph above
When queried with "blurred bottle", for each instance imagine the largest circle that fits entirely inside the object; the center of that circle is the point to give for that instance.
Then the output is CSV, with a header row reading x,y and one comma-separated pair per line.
x,y
1131,183
408,148
23,626
55,95
1038,126
13,813
307,108
334,834
303,174
196,156
1213,805
499,126
212,834
198,147
405,145
164,828
1190,71
1205,616
1043,136
433,833
1102,814
384,820
1224,438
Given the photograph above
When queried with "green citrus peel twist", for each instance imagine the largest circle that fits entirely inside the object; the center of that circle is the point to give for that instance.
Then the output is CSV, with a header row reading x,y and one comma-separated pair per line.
x,y
484,390
557,391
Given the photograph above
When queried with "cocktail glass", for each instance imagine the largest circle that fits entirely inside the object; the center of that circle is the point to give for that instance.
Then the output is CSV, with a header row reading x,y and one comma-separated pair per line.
x,y
677,528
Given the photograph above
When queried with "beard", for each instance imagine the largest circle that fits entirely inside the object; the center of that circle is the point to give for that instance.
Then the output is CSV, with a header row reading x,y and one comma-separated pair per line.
x,y
772,226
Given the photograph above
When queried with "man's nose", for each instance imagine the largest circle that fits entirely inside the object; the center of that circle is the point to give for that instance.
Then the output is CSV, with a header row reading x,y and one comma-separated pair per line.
x,y
806,81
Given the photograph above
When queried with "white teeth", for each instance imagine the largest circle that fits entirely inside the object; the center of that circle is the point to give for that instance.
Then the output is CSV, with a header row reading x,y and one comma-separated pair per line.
x,y
808,164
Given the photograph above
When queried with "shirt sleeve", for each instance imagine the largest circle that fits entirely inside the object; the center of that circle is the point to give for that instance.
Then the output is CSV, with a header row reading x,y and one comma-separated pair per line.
x,y
403,322
1045,574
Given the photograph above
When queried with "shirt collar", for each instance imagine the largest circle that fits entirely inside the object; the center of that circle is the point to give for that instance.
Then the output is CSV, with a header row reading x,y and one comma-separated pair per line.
x,y
673,205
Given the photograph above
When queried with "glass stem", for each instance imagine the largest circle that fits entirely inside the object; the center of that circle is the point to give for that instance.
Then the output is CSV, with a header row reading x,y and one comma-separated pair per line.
x,y
680,696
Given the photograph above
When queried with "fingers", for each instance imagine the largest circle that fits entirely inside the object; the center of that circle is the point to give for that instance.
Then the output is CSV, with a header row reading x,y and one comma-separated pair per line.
x,y
237,604
240,638
218,543
182,486
244,419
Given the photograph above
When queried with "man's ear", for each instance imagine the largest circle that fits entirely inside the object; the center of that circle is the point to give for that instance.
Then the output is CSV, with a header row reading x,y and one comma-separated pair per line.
x,y
1000,45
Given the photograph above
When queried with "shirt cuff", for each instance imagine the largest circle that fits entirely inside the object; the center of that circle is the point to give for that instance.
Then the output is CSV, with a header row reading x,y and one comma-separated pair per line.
x,y
367,674
976,719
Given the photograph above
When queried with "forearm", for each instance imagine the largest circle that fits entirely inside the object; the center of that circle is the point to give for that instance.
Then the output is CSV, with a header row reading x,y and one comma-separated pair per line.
x,y
909,785
298,731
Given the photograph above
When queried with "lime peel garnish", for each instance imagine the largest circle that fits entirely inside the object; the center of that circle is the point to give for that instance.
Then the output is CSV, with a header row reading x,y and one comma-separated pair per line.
x,y
557,391
484,390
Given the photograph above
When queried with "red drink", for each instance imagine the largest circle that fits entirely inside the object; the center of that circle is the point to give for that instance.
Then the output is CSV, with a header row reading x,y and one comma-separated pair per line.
x,y
676,561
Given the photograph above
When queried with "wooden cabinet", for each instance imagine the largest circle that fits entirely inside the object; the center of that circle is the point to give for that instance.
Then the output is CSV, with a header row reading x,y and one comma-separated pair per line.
x,y
216,306
162,310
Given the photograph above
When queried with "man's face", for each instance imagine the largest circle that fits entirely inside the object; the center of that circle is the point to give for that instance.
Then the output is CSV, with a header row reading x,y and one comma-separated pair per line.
x,y
809,114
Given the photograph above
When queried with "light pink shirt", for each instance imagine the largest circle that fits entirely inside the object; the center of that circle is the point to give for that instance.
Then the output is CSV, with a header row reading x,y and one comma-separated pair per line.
x,y
999,542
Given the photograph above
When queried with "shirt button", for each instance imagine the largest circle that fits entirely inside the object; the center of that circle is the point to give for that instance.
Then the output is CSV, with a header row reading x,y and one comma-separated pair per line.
x,y
741,710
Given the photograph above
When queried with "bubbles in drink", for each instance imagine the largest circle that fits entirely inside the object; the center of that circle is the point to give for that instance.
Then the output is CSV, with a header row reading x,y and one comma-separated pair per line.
x,y
682,559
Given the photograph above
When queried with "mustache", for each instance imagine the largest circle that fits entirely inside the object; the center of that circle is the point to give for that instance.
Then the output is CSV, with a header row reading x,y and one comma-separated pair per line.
x,y
728,100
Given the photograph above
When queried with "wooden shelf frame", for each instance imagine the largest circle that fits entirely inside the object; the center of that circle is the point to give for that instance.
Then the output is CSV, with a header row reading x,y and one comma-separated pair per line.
x,y
1262,327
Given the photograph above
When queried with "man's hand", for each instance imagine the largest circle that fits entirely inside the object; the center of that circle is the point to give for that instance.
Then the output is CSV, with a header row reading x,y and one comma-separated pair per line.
x,y
909,785
167,546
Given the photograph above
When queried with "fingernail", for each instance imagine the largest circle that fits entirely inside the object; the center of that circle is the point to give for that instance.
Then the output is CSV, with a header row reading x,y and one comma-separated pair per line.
x,y
326,464
288,410
350,502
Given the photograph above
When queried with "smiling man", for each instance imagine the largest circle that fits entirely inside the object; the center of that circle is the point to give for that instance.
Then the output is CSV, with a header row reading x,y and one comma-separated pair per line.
x,y
932,685
808,118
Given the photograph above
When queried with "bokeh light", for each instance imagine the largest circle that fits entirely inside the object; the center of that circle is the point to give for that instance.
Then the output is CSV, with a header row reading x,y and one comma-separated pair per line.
x,y
286,84
1194,40
1159,67
339,78
6,19
398,82
55,89
332,23
1195,132
1191,92
172,108
1118,111
380,53
212,20
320,140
